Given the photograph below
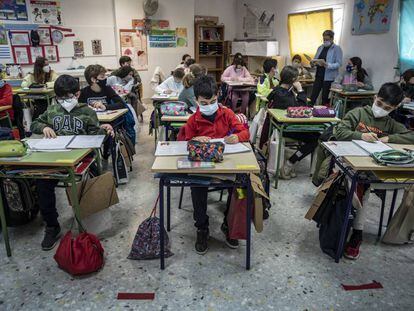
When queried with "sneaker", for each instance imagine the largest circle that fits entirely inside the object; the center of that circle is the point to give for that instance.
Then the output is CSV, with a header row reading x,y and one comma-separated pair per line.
x,y
52,235
293,173
352,248
285,173
229,242
201,246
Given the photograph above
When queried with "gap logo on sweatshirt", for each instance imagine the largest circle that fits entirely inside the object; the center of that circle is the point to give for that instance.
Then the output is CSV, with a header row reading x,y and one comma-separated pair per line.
x,y
67,123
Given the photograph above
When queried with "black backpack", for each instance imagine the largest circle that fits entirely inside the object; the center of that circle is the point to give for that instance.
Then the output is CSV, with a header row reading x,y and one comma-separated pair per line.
x,y
118,161
331,216
19,201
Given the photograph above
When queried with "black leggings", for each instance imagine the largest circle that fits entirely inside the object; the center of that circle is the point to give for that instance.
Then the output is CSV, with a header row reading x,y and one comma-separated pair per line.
x,y
310,141
319,85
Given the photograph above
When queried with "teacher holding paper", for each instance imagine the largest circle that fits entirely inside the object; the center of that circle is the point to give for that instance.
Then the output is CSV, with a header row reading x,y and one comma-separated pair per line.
x,y
328,59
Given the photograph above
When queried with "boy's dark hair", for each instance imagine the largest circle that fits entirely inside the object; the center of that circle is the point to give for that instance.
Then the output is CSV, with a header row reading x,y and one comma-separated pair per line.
x,y
391,93
205,86
185,56
297,57
189,62
178,73
124,71
289,75
66,85
268,64
93,71
124,59
328,33
407,75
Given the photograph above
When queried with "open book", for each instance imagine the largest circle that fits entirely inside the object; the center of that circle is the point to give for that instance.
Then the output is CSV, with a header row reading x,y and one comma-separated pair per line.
x,y
358,148
62,143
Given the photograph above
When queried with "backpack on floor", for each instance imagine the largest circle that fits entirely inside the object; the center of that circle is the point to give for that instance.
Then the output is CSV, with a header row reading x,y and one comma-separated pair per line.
x,y
119,163
19,201
146,244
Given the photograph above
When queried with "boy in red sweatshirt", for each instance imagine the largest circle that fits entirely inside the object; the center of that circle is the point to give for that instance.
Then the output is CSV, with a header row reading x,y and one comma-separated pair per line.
x,y
6,98
210,121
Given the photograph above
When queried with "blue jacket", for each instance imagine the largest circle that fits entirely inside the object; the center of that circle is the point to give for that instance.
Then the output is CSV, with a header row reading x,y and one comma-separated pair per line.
x,y
333,59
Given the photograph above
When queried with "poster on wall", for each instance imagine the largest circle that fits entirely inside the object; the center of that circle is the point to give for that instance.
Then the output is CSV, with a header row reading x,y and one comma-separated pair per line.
x,y
139,24
45,12
13,10
181,37
35,52
96,47
3,37
19,38
51,53
134,44
162,38
78,49
371,17
44,35
5,53
21,55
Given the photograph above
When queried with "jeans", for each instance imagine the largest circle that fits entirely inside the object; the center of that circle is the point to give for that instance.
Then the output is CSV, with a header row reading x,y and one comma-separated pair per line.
x,y
244,96
47,201
310,143
319,85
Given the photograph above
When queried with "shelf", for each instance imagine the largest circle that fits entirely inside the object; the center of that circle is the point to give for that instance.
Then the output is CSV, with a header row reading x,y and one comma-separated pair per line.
x,y
214,69
214,55
211,41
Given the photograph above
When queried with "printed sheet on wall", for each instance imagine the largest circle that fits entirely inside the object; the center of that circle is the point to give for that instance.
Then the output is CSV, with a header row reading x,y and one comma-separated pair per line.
x,y
371,17
13,10
46,12
134,44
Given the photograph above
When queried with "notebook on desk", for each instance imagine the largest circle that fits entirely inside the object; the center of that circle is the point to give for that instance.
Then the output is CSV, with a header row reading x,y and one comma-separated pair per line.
x,y
64,143
357,148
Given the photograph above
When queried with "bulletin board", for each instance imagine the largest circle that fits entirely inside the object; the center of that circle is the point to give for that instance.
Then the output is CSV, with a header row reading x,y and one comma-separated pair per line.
x,y
134,44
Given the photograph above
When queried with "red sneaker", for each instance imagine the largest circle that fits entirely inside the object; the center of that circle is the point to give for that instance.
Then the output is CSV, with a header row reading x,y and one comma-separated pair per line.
x,y
352,250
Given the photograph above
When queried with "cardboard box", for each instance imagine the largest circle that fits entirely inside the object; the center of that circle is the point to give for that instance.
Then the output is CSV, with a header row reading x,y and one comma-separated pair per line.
x,y
259,193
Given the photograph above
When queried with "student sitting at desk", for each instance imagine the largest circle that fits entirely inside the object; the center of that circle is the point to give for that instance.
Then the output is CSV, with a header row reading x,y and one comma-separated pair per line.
x,y
297,63
210,121
6,98
66,117
370,123
173,84
187,94
183,60
354,75
42,76
186,65
237,72
98,94
123,78
290,94
407,85
126,61
267,81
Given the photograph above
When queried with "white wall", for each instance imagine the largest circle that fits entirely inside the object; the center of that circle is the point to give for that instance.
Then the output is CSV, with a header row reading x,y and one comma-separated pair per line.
x,y
226,10
379,53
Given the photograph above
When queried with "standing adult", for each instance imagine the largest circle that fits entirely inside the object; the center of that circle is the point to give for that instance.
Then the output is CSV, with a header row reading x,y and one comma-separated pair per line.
x,y
328,60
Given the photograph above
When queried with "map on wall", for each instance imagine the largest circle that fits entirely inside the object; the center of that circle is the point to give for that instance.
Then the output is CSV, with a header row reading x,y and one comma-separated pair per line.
x,y
13,10
371,16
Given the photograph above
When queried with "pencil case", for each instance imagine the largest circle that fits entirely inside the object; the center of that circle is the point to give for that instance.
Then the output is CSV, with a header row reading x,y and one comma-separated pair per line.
x,y
206,152
12,148
175,108
299,112
323,112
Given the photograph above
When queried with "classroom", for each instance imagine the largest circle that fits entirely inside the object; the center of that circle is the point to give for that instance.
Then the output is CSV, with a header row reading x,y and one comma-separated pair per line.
x,y
206,155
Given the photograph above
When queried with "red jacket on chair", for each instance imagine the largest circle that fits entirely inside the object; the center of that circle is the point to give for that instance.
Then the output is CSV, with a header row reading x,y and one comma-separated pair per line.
x,y
225,123
6,99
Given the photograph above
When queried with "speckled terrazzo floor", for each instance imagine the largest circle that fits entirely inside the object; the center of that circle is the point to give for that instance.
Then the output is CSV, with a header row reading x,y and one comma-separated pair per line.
x,y
289,272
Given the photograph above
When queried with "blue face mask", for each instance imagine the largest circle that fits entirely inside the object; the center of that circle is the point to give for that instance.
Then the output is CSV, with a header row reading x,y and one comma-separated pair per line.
x,y
2,83
349,68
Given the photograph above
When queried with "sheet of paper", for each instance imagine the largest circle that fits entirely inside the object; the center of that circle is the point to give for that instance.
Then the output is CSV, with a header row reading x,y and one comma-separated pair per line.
x,y
86,141
232,148
345,148
58,143
171,148
372,147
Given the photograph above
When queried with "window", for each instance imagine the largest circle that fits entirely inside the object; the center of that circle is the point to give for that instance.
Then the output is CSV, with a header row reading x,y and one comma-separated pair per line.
x,y
406,40
305,31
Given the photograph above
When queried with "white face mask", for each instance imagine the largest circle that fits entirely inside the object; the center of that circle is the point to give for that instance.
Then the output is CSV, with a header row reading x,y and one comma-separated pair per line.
x,y
69,103
378,111
327,43
46,69
208,110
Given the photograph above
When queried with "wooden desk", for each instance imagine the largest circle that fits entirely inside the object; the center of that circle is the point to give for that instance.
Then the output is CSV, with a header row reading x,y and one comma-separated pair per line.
x,y
167,171
157,101
176,118
163,98
43,160
111,116
32,94
282,123
240,84
340,98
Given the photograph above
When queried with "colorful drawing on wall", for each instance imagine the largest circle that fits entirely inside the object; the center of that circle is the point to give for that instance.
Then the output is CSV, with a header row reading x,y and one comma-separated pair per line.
x,y
139,24
19,38
78,49
46,12
21,55
3,37
181,37
13,10
35,52
96,47
134,44
371,16
163,38
52,53
44,34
